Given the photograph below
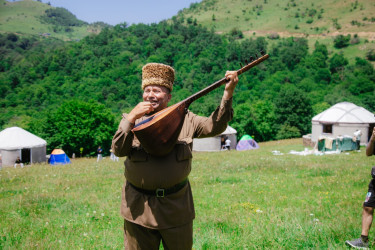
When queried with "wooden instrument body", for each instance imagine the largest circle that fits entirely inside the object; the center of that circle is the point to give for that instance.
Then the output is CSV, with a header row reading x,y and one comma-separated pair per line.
x,y
159,133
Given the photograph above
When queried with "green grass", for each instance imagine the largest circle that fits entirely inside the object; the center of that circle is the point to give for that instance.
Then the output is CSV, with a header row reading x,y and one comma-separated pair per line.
x,y
250,199
23,17
280,15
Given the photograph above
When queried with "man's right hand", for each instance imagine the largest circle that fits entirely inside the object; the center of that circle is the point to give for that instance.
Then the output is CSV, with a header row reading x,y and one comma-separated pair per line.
x,y
140,110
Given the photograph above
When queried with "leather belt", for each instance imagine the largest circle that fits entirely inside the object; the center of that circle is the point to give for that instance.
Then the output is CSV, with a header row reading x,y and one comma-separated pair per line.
x,y
161,192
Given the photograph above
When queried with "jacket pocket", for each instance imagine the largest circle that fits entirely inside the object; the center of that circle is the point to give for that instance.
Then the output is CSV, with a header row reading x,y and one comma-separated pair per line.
x,y
183,151
137,155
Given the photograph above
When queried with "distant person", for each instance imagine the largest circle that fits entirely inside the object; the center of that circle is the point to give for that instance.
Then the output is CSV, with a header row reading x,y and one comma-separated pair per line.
x,y
1,163
227,144
222,143
368,205
18,162
113,156
357,136
100,154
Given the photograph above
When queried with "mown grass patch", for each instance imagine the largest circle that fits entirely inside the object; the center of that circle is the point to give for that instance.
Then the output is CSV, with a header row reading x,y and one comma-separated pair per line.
x,y
249,199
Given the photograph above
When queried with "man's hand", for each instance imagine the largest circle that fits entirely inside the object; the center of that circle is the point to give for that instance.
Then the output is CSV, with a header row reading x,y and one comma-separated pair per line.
x,y
231,85
140,110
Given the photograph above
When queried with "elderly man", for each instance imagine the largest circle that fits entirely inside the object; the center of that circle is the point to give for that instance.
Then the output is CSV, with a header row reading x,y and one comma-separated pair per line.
x,y
368,205
151,216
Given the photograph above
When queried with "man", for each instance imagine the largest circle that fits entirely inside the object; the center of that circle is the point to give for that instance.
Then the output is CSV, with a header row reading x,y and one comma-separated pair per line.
x,y
157,202
368,205
18,162
100,154
227,143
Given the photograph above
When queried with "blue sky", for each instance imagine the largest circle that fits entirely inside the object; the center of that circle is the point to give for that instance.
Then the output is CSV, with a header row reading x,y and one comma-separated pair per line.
x,y
118,11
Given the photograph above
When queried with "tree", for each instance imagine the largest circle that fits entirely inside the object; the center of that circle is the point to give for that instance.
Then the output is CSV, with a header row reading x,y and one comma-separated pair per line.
x,y
337,63
341,41
293,109
293,51
74,125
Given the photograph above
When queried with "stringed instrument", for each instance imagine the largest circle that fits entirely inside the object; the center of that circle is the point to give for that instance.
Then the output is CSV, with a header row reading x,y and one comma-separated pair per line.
x,y
158,133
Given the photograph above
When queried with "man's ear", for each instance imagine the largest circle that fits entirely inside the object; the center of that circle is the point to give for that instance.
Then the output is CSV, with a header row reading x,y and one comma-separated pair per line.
x,y
169,97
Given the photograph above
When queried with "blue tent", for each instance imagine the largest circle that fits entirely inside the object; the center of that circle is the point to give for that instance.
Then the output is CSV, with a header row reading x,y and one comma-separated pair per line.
x,y
58,157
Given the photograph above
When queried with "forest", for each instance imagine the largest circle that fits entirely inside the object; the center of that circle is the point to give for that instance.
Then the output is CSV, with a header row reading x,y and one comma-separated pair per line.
x,y
72,94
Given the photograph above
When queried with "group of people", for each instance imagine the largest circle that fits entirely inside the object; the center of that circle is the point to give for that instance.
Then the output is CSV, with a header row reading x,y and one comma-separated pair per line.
x,y
99,152
225,143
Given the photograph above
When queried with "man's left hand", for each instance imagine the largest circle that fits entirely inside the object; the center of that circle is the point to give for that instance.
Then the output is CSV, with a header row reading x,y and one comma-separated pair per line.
x,y
231,85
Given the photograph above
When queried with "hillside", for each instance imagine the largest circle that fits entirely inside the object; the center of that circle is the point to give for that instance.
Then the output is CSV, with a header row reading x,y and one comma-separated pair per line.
x,y
265,16
37,18
315,20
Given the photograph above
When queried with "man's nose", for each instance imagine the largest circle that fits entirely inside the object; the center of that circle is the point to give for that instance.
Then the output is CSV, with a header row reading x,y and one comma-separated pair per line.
x,y
151,94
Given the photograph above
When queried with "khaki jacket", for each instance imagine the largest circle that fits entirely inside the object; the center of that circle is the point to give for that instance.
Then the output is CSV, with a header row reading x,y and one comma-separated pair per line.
x,y
150,172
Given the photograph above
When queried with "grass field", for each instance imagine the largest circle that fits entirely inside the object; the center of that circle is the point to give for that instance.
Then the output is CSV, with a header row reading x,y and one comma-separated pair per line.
x,y
23,17
250,199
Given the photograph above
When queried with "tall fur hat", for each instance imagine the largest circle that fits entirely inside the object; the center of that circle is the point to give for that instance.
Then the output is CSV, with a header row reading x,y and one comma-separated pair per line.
x,y
157,74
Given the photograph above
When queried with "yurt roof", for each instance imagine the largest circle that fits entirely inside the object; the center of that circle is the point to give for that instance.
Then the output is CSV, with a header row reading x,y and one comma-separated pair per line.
x,y
17,138
345,112
229,131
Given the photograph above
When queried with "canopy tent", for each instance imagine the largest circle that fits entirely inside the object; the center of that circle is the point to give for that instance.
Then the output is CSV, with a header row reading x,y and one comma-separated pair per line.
x,y
247,143
214,143
343,120
17,142
333,144
58,157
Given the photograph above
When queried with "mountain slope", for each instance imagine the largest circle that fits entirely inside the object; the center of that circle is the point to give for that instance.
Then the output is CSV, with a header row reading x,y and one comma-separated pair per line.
x,y
318,20
293,16
29,17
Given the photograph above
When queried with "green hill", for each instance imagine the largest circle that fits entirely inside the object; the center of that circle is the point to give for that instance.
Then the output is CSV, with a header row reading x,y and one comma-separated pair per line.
x,y
36,18
315,20
266,16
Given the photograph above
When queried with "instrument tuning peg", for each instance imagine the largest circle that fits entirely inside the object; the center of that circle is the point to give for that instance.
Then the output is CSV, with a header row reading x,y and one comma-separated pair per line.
x,y
262,53
241,65
256,56
251,58
246,61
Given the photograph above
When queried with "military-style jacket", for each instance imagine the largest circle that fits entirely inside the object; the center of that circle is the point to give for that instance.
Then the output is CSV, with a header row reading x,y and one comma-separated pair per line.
x,y
150,172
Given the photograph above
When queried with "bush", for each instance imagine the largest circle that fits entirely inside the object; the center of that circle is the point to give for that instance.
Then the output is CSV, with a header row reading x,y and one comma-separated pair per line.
x,y
236,33
370,55
341,41
273,36
287,132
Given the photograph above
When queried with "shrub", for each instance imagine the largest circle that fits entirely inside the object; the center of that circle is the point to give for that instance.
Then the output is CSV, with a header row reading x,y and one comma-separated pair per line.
x,y
370,55
341,41
273,36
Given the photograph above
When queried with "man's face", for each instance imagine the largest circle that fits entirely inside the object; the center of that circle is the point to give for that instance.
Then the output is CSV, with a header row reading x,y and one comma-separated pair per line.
x,y
158,96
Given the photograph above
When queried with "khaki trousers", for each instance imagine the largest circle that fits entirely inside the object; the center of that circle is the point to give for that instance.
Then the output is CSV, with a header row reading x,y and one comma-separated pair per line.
x,y
138,237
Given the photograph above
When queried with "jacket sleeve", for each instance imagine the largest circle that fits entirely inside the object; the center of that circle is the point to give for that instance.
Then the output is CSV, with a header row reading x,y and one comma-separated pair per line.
x,y
123,138
216,123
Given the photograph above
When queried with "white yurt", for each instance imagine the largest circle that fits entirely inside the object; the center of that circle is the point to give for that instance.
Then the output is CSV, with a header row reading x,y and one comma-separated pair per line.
x,y
17,142
214,143
342,119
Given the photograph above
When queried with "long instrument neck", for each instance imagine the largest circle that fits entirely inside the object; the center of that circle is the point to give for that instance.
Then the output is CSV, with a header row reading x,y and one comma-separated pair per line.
x,y
217,84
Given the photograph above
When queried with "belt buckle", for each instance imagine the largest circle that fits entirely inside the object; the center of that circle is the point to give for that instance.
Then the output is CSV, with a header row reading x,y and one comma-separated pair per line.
x,y
160,192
